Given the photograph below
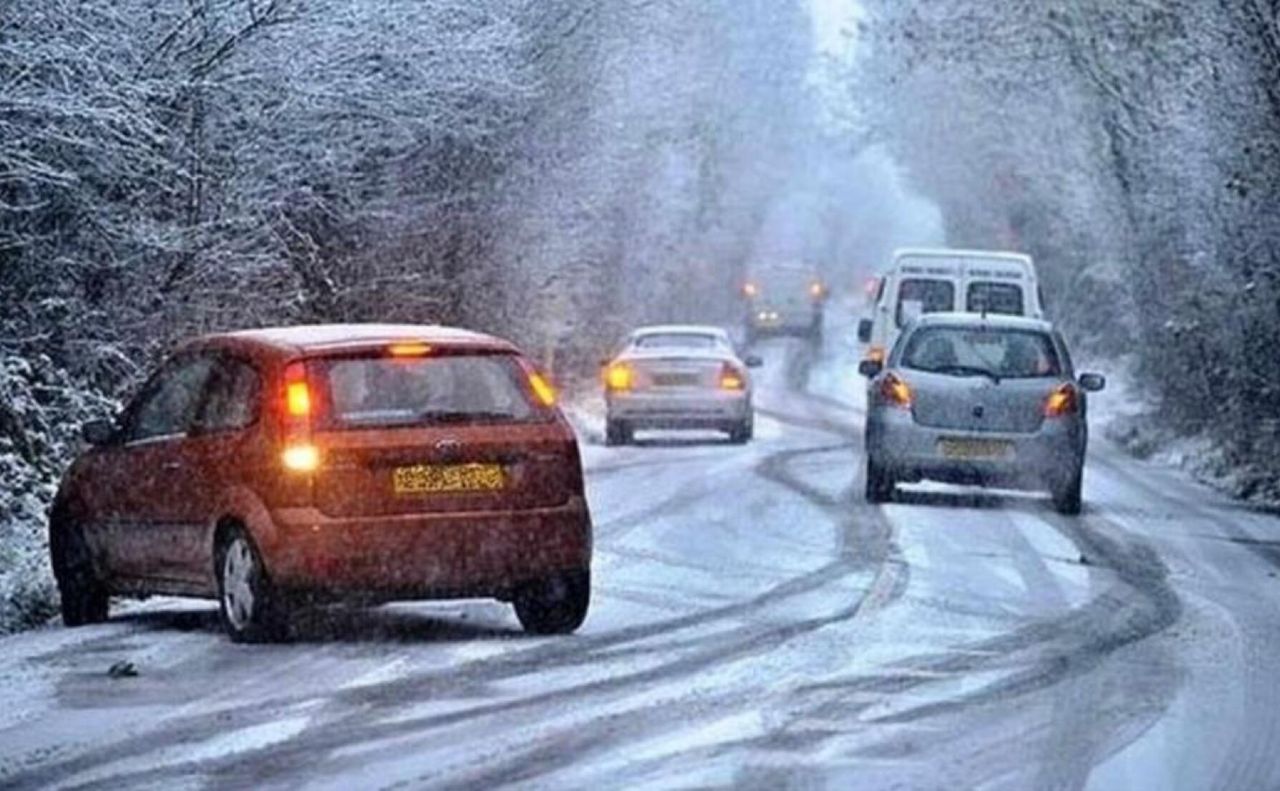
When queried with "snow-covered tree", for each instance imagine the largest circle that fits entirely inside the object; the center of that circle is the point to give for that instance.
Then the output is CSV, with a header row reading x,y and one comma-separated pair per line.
x,y
1133,148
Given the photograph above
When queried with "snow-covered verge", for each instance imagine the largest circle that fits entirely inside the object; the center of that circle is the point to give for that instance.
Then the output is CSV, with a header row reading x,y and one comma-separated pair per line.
x,y
524,168
1130,417
41,410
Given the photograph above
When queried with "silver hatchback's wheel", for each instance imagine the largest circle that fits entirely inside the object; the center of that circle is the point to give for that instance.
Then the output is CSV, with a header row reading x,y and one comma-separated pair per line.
x,y
1067,494
250,608
880,482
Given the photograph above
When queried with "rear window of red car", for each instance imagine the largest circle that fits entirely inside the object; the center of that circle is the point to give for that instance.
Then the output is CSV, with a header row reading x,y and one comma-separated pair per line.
x,y
379,391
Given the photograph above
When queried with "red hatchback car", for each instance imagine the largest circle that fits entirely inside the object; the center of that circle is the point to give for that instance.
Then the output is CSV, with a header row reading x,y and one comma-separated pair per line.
x,y
363,462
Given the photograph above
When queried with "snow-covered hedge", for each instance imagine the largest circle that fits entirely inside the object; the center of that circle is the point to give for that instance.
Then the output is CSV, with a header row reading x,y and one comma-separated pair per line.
x,y
41,410
1134,149
549,170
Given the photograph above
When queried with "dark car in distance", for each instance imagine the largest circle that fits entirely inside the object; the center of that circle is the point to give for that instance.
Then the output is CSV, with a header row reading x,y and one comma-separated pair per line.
x,y
365,462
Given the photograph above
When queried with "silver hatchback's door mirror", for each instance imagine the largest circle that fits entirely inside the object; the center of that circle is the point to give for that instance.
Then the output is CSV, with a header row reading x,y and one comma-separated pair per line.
x,y
870,368
1092,383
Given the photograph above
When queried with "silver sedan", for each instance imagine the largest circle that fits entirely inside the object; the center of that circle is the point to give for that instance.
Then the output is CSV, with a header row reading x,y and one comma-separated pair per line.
x,y
991,401
678,377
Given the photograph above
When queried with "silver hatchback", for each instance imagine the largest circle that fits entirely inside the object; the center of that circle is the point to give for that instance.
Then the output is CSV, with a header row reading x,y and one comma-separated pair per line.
x,y
985,400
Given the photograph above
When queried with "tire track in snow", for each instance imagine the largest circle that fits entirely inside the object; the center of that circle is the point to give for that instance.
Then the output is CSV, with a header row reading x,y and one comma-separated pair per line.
x,y
858,551
1031,659
362,712
1140,605
1251,762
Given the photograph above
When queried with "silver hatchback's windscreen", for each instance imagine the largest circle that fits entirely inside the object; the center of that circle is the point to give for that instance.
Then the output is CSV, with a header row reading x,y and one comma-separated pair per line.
x,y
964,351
393,391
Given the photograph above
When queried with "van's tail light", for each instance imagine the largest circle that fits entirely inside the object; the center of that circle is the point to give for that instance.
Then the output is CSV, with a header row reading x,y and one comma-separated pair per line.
x,y
619,377
750,289
299,404
1062,401
895,391
731,378
818,289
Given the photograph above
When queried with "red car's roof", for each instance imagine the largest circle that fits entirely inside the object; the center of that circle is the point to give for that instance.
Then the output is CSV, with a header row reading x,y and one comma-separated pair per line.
x,y
332,337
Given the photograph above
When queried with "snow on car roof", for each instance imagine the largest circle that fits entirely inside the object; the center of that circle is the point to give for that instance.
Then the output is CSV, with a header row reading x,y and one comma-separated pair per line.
x,y
680,329
943,252
317,336
998,320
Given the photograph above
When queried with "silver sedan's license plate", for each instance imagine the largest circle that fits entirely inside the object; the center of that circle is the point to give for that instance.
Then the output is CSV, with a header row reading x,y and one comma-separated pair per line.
x,y
974,449
675,380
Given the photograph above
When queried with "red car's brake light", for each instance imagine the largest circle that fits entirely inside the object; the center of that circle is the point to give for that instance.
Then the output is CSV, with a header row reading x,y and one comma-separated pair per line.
x,y
410,349
298,455
297,392
542,389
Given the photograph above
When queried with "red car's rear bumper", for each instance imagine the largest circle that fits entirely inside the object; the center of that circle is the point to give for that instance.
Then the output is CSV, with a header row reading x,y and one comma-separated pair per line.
x,y
479,554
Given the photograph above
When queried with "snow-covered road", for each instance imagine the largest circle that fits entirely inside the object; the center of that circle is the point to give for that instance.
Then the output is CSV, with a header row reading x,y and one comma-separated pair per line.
x,y
755,623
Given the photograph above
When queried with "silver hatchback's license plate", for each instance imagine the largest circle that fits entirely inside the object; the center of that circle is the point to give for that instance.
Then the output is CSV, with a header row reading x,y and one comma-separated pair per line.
x,y
974,449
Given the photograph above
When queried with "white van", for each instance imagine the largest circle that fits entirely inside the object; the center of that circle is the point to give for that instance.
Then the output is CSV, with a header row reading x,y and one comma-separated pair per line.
x,y
948,281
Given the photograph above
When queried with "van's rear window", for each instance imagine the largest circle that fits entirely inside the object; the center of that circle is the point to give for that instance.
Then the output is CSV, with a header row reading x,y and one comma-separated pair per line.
x,y
384,391
989,297
932,296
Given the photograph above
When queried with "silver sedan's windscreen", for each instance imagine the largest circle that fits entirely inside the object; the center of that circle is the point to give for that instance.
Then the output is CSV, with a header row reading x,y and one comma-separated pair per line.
x,y
965,351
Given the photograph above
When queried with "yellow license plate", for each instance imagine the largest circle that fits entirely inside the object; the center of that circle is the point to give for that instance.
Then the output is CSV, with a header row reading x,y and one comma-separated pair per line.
x,y
449,478
974,448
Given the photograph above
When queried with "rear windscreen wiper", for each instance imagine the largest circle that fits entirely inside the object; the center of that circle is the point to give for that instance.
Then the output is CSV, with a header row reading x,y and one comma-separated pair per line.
x,y
466,417
968,370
